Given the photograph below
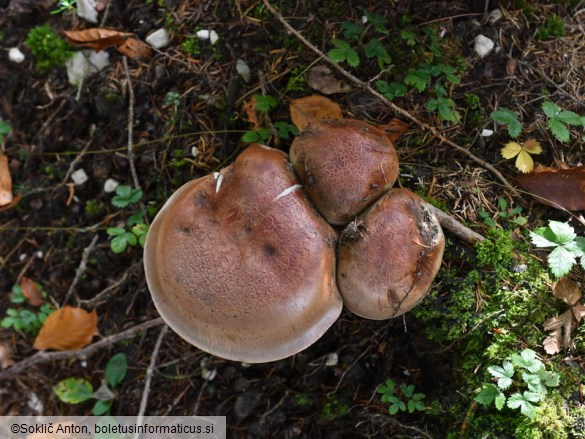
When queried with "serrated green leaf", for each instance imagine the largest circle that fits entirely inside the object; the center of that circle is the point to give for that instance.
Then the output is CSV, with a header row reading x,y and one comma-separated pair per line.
x,y
488,394
560,261
559,130
376,49
519,401
500,401
387,387
569,117
550,379
250,137
550,109
407,390
534,383
264,102
337,55
378,21
286,129
351,30
503,116
115,231
527,360
73,390
563,231
352,58
101,407
116,369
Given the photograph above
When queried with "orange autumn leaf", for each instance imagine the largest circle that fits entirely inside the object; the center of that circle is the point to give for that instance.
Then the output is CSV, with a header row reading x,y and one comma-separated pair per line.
x,y
251,113
134,49
394,129
31,291
67,329
312,108
5,181
97,38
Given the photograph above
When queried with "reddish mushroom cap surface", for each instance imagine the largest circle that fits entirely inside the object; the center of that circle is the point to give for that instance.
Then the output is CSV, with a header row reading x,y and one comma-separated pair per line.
x,y
241,265
345,165
389,256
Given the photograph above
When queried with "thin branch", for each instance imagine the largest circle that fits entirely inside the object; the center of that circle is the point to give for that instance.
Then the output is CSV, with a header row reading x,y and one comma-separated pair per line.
x,y
461,231
131,100
81,269
434,131
47,357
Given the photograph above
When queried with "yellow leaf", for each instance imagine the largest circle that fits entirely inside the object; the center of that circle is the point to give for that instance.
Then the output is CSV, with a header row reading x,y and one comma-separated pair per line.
x,y
532,146
510,150
524,162
67,329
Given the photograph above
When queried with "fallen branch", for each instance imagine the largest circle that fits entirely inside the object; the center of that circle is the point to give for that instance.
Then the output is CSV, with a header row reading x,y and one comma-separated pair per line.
x,y
359,83
47,357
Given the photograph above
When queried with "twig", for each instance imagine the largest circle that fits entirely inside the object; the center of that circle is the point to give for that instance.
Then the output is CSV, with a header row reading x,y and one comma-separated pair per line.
x,y
78,158
435,132
109,290
131,100
462,232
81,269
47,357
148,380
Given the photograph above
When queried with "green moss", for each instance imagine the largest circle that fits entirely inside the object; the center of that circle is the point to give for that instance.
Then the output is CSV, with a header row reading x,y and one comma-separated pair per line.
x,y
48,48
497,249
553,27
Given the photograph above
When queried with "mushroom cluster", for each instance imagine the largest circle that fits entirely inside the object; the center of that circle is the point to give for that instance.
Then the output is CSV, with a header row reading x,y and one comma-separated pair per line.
x,y
254,263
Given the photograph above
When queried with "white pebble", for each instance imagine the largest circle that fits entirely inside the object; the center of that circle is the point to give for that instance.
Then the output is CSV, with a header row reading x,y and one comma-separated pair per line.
x,y
79,177
243,70
86,10
486,132
332,359
483,45
195,152
213,37
203,34
158,39
15,55
495,16
110,185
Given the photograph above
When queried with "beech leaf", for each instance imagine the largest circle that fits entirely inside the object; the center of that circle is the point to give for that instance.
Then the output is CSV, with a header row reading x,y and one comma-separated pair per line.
x,y
67,328
578,311
312,108
552,344
321,78
32,292
394,129
134,49
567,290
97,38
560,188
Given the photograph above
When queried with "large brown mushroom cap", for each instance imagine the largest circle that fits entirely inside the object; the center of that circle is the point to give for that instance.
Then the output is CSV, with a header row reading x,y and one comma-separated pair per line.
x,y
389,256
345,166
241,265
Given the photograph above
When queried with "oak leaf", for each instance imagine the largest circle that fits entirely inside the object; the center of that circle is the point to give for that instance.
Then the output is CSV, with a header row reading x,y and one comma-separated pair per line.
x,y
67,328
313,108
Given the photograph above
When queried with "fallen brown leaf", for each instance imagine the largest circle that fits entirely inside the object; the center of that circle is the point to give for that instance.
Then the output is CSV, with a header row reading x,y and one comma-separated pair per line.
x,y
134,49
578,311
97,38
5,358
251,113
560,188
394,129
321,78
67,329
31,291
567,290
5,181
553,343
312,108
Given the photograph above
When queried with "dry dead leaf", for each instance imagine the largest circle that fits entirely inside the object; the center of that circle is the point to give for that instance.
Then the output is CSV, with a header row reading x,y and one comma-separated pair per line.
x,y
251,113
134,49
67,329
321,78
5,181
564,322
97,38
394,129
567,290
5,358
560,188
312,108
32,292
553,343
578,311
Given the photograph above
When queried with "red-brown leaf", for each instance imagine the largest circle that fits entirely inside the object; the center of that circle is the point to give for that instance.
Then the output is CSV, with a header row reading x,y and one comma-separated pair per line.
x,y
552,344
97,38
312,108
67,329
31,291
560,188
567,290
5,181
134,49
394,129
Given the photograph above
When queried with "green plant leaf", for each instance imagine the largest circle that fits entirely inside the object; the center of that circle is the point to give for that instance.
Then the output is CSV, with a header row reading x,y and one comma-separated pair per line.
x,y
407,390
344,52
487,394
527,360
17,296
559,130
392,90
504,374
550,109
286,129
534,382
378,21
563,232
121,242
419,79
73,390
570,118
387,387
524,403
101,407
507,117
560,261
250,137
500,401
351,30
376,49
550,379
125,195
116,369
265,102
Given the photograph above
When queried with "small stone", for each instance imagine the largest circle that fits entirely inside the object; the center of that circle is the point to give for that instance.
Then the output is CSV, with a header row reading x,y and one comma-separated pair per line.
x,y
195,152
243,70
213,37
158,39
202,34
86,10
15,55
483,45
332,359
79,177
486,132
110,185
495,16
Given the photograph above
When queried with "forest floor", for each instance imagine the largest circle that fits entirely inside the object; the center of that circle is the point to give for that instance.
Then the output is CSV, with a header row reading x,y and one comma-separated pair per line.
x,y
156,121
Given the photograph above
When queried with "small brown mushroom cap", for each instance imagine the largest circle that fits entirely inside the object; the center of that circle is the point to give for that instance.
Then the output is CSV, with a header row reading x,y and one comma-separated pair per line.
x,y
345,165
241,265
389,256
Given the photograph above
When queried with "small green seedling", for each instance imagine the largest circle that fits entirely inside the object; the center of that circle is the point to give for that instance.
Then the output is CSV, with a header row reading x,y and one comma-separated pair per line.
x,y
402,399
503,116
125,196
265,103
5,130
567,246
76,390
531,384
135,231
507,213
559,119
64,5
24,319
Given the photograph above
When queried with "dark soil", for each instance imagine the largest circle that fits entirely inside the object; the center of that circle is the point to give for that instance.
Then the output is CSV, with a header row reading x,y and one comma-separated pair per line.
x,y
58,130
